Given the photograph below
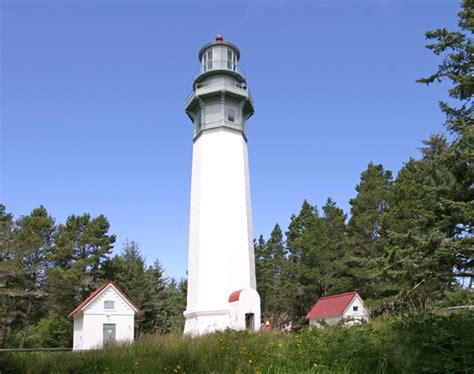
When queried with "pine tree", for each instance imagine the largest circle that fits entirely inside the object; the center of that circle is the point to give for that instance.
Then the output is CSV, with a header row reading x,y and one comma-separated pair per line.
x,y
457,49
419,259
365,245
176,293
264,276
278,298
332,246
146,286
32,247
82,247
10,275
300,241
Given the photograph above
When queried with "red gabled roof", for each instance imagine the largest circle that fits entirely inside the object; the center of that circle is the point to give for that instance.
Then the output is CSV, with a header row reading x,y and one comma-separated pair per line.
x,y
331,306
96,293
234,296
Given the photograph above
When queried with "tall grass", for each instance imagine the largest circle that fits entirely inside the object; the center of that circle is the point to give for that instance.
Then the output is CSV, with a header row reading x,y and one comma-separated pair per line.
x,y
415,344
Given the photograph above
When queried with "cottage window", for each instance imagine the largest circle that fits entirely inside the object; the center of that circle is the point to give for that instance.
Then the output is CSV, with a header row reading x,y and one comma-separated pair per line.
x,y
355,308
109,304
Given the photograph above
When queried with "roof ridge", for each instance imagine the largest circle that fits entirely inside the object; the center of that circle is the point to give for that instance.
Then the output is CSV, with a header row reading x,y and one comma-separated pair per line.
x,y
338,295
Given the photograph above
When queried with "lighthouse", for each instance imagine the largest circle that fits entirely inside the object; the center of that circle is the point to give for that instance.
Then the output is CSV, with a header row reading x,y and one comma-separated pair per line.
x,y
221,264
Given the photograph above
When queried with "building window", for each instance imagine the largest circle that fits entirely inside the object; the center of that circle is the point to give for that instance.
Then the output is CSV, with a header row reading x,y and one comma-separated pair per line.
x,y
199,121
109,304
230,60
355,308
230,115
209,60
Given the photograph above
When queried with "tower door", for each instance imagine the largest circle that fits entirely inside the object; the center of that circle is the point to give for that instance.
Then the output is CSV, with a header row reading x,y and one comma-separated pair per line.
x,y
109,333
249,321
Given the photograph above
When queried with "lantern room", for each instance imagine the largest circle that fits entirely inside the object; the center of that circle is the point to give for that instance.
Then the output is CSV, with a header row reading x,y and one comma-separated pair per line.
x,y
218,56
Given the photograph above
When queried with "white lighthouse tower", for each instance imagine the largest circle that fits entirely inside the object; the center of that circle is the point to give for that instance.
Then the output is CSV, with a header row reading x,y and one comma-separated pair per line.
x,y
221,269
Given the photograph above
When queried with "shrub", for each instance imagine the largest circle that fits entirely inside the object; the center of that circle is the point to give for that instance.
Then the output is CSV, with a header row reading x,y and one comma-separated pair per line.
x,y
51,332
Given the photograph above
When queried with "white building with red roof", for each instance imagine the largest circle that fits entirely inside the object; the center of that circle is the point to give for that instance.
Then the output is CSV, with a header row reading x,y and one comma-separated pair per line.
x,y
106,316
332,309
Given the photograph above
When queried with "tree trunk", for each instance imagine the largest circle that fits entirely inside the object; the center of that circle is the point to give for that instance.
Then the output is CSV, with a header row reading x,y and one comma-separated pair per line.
x,y
3,331
26,324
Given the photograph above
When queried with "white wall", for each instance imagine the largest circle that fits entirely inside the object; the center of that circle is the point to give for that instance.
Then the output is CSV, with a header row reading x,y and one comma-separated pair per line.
x,y
77,335
213,111
221,255
249,302
362,312
88,324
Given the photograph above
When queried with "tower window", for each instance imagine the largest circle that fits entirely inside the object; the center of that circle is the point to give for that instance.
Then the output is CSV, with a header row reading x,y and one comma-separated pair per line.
x,y
230,115
209,60
199,121
109,304
230,60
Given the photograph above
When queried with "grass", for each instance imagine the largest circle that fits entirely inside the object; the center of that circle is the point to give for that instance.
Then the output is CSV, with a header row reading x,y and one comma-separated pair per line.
x,y
415,344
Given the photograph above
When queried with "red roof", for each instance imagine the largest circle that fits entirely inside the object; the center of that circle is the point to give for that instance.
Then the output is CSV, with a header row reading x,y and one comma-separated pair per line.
x,y
331,306
234,296
96,293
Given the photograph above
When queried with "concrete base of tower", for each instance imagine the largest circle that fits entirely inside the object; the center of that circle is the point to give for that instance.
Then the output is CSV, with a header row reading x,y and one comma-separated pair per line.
x,y
244,310
243,313
205,322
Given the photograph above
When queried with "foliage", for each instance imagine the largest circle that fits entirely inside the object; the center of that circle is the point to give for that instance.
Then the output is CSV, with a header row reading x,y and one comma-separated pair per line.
x,y
50,332
46,270
456,48
412,344
408,243
159,299
272,278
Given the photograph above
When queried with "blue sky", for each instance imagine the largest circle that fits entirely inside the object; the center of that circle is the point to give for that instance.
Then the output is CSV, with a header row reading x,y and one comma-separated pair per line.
x,y
92,97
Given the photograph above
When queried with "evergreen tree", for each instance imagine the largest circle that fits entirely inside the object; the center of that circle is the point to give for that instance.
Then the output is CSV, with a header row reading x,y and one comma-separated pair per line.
x,y
278,298
457,49
32,247
419,260
300,241
263,272
332,244
82,246
365,245
147,287
176,304
10,275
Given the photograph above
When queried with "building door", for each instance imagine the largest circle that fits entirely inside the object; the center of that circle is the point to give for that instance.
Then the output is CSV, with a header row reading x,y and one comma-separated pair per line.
x,y
249,321
109,333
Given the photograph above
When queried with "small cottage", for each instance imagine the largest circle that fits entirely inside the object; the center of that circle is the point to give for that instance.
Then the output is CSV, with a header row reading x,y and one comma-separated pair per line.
x,y
348,307
107,316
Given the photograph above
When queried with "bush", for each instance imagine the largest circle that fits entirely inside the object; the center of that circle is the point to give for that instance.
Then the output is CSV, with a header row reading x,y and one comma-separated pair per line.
x,y
51,332
437,344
